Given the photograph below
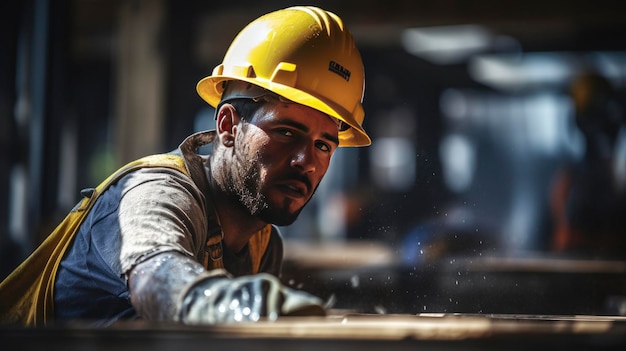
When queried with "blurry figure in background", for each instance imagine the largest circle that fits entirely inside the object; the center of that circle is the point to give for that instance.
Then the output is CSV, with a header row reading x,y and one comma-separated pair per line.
x,y
197,242
458,232
589,197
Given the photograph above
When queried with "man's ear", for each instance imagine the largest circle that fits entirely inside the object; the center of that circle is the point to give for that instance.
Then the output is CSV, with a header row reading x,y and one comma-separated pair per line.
x,y
227,124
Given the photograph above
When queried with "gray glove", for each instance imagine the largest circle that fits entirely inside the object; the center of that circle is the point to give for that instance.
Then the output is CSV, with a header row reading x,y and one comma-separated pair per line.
x,y
222,299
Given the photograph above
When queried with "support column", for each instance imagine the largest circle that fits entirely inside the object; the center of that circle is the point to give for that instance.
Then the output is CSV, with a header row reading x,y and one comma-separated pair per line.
x,y
140,68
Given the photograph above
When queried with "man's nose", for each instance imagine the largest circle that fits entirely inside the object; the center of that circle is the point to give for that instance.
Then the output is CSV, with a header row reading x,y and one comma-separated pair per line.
x,y
304,158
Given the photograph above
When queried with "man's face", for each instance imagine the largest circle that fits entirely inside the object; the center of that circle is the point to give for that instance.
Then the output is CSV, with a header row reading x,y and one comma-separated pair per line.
x,y
281,156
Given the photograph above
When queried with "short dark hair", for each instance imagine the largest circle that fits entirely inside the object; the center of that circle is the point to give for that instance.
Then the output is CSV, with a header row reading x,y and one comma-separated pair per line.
x,y
246,108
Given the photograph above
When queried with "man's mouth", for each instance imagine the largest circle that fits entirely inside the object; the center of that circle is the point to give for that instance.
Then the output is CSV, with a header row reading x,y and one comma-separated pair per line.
x,y
294,188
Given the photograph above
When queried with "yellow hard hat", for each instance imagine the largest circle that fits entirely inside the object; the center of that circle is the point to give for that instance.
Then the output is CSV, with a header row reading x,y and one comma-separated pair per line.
x,y
304,54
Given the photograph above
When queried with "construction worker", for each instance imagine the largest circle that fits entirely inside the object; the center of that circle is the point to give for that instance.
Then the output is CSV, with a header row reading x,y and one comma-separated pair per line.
x,y
199,244
588,199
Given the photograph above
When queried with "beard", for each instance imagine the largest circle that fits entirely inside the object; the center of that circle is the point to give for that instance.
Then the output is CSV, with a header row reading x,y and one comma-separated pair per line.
x,y
244,183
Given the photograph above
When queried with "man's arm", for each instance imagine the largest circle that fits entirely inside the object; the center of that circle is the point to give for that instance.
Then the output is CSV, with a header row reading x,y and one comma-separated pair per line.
x,y
157,284
173,287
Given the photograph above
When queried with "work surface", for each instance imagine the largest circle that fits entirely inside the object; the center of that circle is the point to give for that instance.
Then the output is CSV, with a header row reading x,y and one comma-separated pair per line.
x,y
340,332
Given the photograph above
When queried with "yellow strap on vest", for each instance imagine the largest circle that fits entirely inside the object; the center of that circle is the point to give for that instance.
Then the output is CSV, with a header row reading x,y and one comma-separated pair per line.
x,y
257,245
26,295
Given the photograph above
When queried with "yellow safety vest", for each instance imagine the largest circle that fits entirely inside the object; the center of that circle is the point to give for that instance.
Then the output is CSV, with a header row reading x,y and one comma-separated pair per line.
x,y
27,294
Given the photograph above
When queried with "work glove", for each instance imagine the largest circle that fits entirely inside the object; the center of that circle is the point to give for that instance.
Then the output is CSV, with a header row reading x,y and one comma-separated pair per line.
x,y
223,299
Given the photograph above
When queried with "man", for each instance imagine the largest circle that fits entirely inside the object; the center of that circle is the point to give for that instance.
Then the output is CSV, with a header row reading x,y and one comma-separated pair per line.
x,y
199,245
589,193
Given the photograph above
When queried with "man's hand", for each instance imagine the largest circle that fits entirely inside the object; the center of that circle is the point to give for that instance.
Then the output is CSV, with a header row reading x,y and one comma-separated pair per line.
x,y
221,299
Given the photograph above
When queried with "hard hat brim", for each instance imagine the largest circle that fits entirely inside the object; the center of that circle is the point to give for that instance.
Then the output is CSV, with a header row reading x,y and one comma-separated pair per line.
x,y
210,90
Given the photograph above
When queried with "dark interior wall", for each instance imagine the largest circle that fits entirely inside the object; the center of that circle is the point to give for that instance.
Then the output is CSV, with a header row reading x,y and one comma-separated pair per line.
x,y
10,148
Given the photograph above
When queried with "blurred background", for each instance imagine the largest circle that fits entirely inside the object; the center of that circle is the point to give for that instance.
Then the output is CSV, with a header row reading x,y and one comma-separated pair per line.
x,y
494,184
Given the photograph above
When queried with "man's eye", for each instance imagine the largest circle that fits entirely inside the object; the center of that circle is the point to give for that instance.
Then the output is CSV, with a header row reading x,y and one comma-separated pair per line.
x,y
286,132
323,146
